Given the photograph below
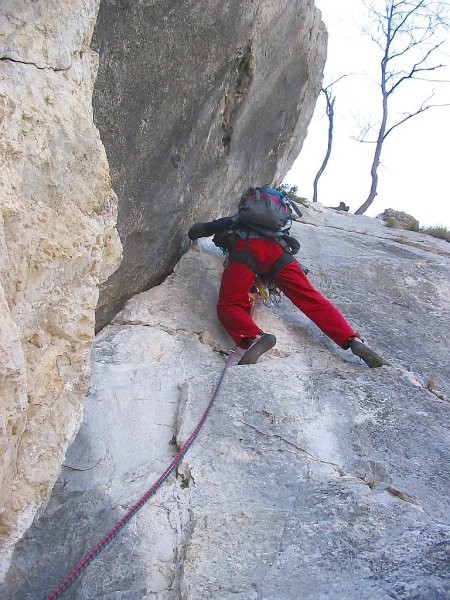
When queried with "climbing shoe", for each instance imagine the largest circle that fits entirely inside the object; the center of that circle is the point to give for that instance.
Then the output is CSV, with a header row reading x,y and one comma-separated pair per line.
x,y
369,356
262,343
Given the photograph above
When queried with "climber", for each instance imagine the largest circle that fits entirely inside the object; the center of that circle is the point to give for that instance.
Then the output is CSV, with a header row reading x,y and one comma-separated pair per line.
x,y
257,242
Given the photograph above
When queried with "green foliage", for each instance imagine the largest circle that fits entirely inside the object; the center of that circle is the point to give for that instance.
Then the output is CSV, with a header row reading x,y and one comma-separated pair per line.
x,y
438,231
413,227
291,191
392,222
298,199
289,188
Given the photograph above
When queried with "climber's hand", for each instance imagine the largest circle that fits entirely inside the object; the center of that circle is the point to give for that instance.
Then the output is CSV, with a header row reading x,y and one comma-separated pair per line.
x,y
294,244
197,231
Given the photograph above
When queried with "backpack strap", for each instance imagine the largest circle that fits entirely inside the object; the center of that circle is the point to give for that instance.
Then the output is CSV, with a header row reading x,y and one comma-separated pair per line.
x,y
247,259
280,263
293,205
266,197
250,261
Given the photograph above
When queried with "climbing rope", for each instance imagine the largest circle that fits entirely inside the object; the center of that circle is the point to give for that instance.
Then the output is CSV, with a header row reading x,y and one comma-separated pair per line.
x,y
76,572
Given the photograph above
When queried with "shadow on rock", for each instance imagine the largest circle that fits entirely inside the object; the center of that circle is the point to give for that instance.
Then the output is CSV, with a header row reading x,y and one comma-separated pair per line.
x,y
61,538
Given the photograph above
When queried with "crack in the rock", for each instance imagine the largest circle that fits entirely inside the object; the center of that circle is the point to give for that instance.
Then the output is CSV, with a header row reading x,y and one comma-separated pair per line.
x,y
233,98
166,328
170,331
24,62
404,496
181,549
308,455
80,469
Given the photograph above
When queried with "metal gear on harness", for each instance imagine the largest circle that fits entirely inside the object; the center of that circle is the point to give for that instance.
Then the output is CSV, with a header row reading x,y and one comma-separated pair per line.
x,y
268,291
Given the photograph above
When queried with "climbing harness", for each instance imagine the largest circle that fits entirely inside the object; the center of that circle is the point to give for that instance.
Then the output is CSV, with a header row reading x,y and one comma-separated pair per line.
x,y
76,572
264,284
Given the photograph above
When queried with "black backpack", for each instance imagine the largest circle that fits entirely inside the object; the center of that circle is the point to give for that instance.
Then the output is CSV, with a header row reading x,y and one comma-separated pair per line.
x,y
266,210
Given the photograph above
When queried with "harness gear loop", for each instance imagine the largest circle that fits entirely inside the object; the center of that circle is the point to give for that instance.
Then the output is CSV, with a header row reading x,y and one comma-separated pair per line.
x,y
261,289
267,290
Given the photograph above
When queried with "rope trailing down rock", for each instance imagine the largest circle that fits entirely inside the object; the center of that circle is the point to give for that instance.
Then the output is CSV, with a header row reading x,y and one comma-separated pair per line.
x,y
78,570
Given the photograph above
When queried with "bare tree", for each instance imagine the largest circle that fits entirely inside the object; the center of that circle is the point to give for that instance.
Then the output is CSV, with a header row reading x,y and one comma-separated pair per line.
x,y
330,114
407,32
330,99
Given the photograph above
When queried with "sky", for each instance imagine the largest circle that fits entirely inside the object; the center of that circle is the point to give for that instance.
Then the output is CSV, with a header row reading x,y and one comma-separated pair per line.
x,y
414,175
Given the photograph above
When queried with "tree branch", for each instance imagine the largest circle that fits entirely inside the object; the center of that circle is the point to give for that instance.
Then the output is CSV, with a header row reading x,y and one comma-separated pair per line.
x,y
364,129
416,68
411,75
422,109
414,9
413,43
330,85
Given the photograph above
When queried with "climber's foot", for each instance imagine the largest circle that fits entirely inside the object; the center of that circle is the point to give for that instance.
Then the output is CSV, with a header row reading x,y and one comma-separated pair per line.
x,y
261,344
369,356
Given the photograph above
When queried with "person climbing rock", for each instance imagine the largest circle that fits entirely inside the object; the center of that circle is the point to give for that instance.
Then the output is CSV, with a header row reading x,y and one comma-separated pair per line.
x,y
257,242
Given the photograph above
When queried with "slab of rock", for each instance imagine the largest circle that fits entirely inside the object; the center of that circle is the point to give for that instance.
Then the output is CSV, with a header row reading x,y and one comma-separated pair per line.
x,y
195,101
313,477
57,242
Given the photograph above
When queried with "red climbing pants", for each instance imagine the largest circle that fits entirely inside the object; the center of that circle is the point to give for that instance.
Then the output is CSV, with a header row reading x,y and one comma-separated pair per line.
x,y
233,308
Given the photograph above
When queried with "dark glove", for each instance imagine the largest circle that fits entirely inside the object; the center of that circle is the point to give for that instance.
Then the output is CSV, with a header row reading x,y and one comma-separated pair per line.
x,y
292,243
225,241
197,231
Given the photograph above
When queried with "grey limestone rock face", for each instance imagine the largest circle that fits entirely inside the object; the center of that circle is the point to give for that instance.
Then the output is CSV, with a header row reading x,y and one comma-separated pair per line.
x,y
313,477
195,101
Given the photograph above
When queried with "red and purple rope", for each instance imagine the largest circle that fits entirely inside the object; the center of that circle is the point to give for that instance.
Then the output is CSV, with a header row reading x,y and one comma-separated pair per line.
x,y
76,572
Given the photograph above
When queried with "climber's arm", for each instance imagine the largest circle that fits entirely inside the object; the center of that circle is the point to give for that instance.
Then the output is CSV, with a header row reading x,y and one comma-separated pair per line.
x,y
199,230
